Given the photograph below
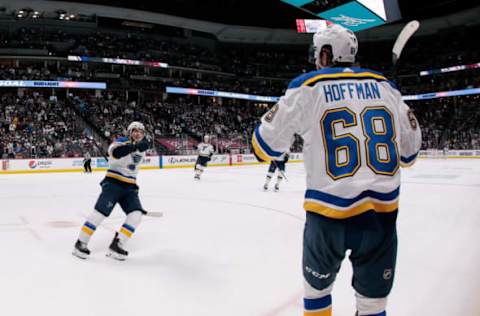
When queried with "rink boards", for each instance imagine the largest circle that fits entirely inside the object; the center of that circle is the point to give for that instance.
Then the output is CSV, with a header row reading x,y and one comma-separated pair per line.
x,y
165,162
99,163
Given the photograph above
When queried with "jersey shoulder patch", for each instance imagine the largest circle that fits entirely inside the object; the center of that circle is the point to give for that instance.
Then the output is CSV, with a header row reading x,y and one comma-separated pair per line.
x,y
271,113
122,140
412,119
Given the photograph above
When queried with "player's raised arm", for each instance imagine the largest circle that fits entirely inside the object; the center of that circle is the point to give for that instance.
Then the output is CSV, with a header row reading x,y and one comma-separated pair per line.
x,y
274,136
123,147
411,136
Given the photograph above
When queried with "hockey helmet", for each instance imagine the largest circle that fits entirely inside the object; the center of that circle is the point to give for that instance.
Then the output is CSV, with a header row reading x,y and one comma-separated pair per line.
x,y
342,41
135,125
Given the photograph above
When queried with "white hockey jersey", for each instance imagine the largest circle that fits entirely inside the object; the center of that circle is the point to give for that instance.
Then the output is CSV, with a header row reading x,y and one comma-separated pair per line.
x,y
205,149
126,168
357,132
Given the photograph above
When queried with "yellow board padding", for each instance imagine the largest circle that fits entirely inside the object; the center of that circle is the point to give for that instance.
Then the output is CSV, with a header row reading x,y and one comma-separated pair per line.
x,y
341,214
63,170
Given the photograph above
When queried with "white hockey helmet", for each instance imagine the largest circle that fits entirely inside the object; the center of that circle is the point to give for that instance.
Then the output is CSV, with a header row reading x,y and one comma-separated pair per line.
x,y
343,42
135,125
206,138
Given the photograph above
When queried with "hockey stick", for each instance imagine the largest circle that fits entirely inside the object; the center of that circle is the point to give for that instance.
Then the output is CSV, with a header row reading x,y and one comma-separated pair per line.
x,y
408,30
153,214
99,148
280,171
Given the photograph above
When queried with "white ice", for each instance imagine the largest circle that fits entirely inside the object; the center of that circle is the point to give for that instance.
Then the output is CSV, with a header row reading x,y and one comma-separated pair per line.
x,y
225,247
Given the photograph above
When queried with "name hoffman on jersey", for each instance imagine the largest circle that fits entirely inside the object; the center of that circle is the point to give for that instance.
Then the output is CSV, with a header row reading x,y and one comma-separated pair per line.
x,y
353,90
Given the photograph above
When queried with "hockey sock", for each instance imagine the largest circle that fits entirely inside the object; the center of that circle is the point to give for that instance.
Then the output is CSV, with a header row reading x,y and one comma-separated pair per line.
x,y
370,306
269,178
318,306
317,302
87,230
128,228
279,179
199,170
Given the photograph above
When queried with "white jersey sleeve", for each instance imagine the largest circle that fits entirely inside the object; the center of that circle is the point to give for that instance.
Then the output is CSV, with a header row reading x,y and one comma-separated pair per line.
x,y
411,136
274,136
126,168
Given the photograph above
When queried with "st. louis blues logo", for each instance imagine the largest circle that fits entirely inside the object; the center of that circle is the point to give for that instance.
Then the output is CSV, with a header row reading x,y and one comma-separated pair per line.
x,y
350,21
136,158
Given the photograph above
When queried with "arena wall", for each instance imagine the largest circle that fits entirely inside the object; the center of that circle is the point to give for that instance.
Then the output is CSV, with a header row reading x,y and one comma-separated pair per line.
x,y
12,166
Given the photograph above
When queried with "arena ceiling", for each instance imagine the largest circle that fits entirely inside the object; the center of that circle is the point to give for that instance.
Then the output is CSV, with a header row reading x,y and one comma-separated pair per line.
x,y
270,13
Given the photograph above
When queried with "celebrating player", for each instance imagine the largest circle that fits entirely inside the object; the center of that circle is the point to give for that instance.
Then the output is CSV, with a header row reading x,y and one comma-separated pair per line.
x,y
205,153
118,186
274,165
357,132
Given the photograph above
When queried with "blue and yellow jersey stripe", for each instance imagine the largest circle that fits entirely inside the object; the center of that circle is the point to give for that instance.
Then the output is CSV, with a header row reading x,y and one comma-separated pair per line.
x,y
311,78
122,140
337,207
406,162
261,148
121,177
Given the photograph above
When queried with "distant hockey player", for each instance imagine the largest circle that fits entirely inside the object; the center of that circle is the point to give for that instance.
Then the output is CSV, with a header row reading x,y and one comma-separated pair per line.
x,y
205,153
274,164
118,186
87,162
357,132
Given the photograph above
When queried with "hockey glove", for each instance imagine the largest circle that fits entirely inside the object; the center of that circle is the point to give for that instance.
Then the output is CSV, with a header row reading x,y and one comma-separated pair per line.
x,y
142,145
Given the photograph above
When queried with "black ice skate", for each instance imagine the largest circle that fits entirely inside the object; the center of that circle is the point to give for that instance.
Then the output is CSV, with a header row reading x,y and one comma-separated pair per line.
x,y
197,177
265,187
115,251
277,187
80,250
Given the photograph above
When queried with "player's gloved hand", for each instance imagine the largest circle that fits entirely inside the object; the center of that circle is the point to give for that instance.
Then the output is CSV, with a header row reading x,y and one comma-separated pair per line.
x,y
142,145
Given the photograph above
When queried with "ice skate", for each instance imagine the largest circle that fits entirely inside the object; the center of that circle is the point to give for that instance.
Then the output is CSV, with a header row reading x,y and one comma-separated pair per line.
x,y
116,251
80,250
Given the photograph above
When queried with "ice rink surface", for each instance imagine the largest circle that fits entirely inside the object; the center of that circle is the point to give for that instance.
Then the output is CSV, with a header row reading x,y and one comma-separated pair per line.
x,y
226,247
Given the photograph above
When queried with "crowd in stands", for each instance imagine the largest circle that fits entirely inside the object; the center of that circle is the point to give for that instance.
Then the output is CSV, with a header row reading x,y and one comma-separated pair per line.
x,y
239,63
451,122
33,125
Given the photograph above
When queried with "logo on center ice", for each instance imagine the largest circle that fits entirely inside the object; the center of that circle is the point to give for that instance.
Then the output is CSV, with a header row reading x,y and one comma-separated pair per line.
x,y
32,164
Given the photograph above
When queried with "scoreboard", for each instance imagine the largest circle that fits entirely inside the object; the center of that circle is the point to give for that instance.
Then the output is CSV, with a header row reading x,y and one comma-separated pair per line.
x,y
355,15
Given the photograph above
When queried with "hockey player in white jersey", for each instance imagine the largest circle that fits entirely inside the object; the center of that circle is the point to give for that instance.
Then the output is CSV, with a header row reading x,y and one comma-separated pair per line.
x,y
357,133
274,165
118,186
205,153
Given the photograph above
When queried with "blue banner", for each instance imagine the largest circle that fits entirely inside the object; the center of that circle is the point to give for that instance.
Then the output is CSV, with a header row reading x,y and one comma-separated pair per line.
x,y
234,95
118,61
221,94
52,84
442,94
